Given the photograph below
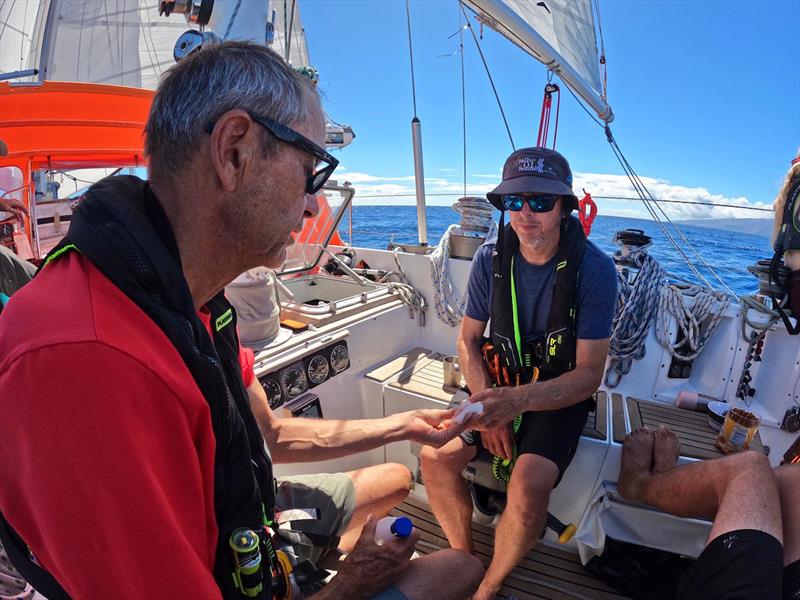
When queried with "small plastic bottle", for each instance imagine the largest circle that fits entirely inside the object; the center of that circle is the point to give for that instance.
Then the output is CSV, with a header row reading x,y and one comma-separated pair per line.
x,y
392,528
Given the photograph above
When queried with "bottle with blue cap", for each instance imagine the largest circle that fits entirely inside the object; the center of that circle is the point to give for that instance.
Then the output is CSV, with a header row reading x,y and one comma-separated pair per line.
x,y
392,528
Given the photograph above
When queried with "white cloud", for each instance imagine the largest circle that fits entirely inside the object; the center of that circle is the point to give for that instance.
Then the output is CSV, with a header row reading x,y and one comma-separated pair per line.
x,y
601,184
442,191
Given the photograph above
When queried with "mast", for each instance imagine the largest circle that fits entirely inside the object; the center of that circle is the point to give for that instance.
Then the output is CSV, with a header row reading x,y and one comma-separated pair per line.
x,y
416,141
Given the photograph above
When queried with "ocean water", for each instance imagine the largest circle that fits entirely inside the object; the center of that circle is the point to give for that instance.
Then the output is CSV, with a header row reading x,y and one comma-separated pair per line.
x,y
728,252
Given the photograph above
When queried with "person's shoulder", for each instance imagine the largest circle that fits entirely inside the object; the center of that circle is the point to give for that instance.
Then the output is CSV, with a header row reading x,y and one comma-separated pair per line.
x,y
596,261
72,302
483,255
55,307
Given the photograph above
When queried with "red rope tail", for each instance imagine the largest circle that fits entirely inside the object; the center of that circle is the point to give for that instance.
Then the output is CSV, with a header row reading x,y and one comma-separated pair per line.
x,y
587,218
558,110
544,119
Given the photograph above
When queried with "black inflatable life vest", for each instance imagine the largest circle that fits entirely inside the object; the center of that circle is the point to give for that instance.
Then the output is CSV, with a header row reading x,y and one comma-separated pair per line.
x,y
554,354
121,228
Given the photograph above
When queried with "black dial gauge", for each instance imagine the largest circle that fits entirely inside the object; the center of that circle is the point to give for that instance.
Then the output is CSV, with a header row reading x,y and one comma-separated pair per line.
x,y
294,382
273,391
340,358
318,369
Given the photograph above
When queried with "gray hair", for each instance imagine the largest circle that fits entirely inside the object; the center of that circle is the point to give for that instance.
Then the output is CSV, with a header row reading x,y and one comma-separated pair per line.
x,y
219,78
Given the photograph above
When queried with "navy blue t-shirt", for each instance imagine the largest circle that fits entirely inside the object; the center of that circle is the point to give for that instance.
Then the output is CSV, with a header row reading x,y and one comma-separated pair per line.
x,y
597,292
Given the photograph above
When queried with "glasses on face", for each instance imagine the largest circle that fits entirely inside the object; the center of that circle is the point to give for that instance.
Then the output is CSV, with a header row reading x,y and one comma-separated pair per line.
x,y
286,134
536,202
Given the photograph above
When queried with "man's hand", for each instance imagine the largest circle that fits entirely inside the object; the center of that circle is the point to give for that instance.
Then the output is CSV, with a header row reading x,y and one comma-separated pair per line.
x,y
433,427
500,406
499,442
15,207
369,568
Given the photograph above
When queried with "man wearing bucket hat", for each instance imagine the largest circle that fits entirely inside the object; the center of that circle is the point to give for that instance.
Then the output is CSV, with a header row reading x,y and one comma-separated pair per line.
x,y
549,296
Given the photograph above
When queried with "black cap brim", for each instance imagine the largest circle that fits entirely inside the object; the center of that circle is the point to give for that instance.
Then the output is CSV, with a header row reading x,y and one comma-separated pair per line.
x,y
530,184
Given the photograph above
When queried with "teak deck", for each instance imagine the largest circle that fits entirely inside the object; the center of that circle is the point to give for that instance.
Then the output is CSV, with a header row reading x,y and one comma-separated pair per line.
x,y
692,428
545,573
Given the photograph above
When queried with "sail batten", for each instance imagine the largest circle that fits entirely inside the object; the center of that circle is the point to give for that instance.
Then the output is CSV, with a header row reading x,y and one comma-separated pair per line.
x,y
558,33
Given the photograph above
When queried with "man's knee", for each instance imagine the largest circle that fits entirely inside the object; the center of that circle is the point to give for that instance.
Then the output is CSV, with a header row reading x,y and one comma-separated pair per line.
x,y
531,483
468,566
453,456
788,477
396,478
750,462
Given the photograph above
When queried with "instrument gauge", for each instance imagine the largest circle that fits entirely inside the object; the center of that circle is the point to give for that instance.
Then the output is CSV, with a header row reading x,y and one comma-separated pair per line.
x,y
318,369
293,380
273,391
340,358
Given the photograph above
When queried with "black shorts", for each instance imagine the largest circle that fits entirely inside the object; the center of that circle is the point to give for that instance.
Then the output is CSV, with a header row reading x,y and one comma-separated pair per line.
x,y
740,565
552,434
791,581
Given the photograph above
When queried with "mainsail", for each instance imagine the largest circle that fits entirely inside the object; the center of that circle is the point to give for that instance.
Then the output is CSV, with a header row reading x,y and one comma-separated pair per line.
x,y
558,33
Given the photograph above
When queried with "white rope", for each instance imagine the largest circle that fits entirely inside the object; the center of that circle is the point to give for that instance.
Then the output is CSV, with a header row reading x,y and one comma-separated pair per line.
x,y
697,323
651,297
476,221
408,293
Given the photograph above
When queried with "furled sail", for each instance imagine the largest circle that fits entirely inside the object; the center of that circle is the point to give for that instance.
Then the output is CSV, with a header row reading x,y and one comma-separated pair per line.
x,y
558,33
289,27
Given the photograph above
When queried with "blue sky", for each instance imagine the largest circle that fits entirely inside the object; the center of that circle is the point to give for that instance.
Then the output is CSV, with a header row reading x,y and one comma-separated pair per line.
x,y
706,97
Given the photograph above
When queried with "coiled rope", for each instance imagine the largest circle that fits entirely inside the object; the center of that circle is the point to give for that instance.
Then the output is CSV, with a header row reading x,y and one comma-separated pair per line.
x,y
637,303
697,322
652,297
476,221
410,295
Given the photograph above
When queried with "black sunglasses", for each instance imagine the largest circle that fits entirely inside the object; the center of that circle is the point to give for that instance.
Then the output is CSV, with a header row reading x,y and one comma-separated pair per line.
x,y
286,134
536,202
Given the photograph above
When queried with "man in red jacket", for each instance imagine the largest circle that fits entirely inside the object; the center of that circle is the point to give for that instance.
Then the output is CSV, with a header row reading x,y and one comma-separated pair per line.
x,y
129,454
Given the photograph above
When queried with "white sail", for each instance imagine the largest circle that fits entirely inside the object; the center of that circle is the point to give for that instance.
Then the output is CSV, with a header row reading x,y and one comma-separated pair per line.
x,y
288,25
120,42
18,24
560,34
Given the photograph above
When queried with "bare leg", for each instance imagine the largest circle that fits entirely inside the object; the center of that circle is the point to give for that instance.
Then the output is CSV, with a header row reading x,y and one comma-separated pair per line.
x,y
737,492
789,488
448,493
522,521
444,575
378,490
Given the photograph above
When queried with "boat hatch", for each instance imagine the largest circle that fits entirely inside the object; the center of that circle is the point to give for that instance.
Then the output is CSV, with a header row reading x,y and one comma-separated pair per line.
x,y
309,294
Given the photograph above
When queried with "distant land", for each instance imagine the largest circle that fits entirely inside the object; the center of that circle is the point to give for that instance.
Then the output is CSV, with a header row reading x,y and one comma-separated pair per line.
x,y
754,226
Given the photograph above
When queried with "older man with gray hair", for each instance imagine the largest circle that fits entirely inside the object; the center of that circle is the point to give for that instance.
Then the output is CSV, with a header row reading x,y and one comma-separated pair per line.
x,y
133,465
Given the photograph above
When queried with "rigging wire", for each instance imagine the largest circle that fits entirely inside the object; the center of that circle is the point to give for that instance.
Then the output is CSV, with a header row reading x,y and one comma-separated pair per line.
x,y
630,198
233,18
150,48
289,32
647,199
604,72
411,57
489,74
646,194
463,95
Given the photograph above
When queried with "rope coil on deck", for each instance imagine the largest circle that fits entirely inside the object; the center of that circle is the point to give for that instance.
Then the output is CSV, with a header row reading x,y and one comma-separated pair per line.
x,y
408,293
476,221
651,297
